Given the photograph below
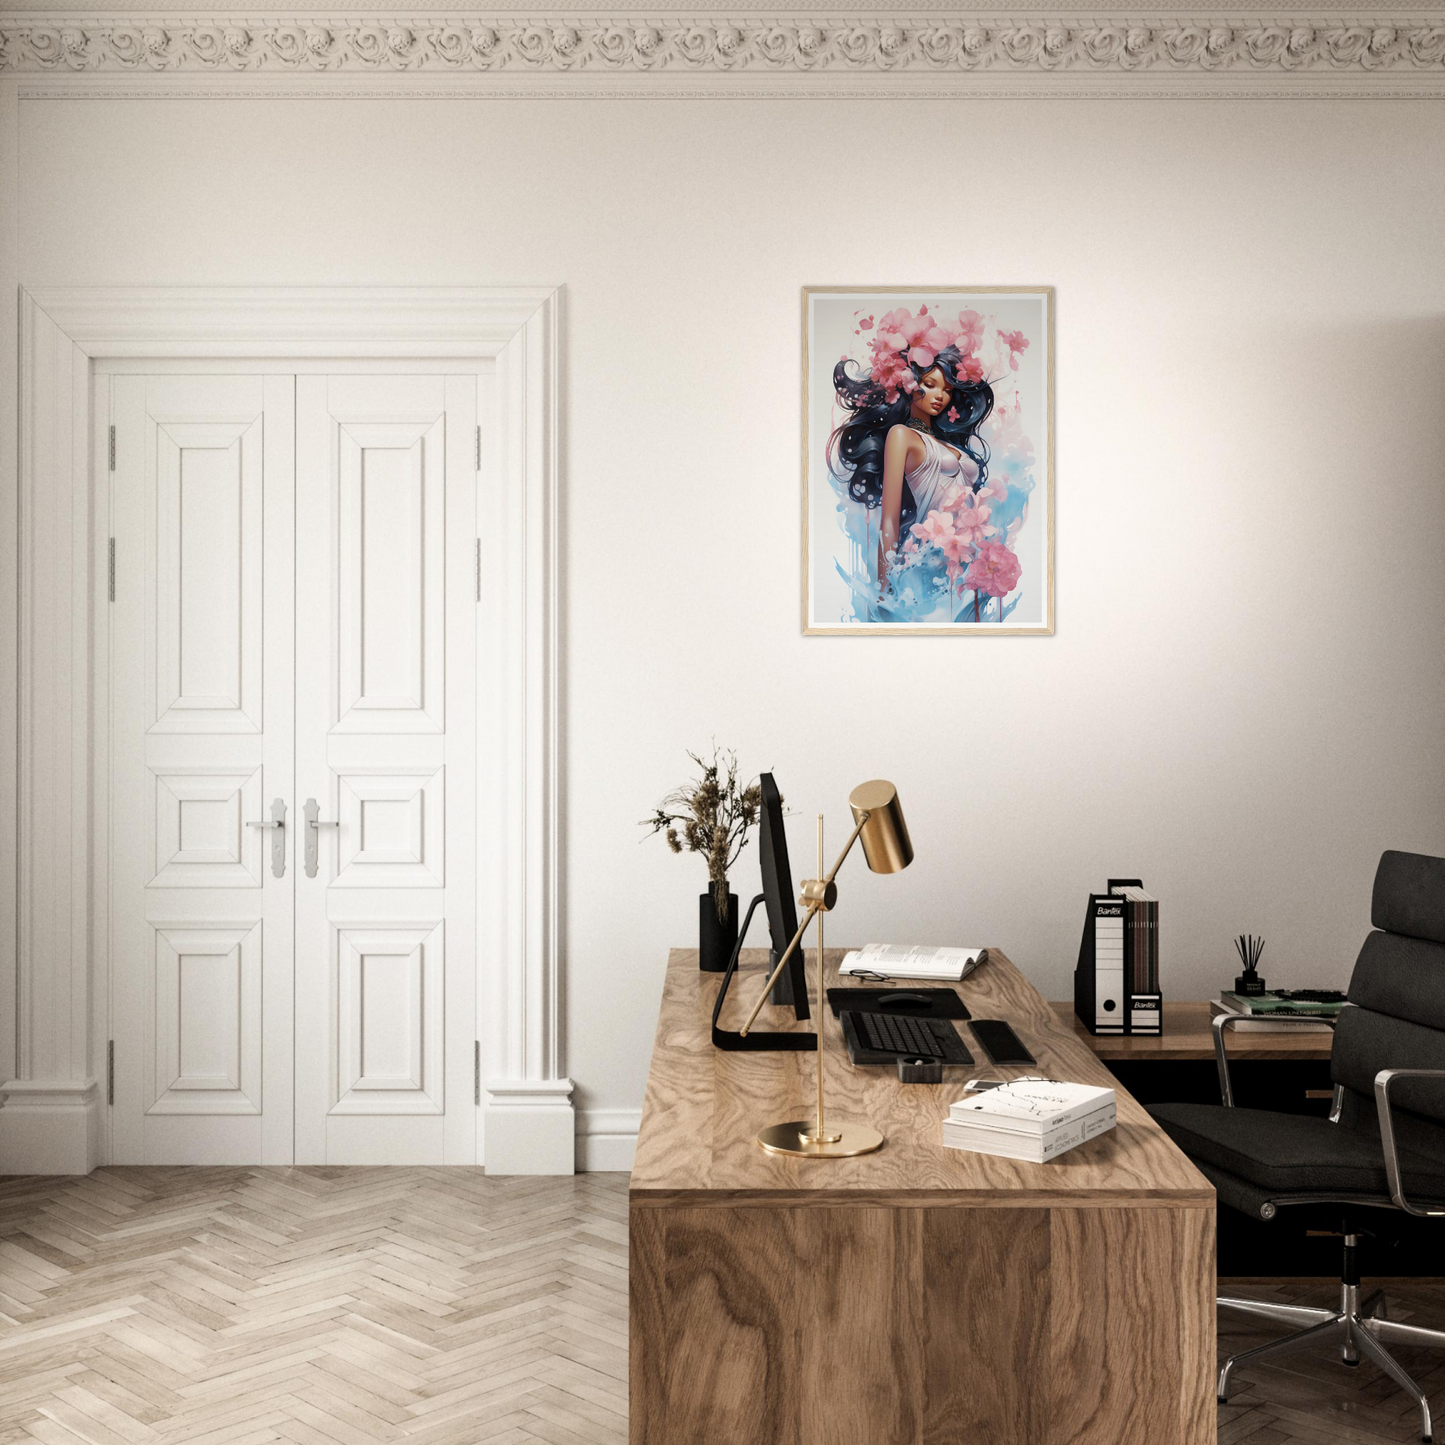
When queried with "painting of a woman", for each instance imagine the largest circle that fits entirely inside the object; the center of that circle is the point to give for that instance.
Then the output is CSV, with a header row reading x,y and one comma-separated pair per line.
x,y
930,470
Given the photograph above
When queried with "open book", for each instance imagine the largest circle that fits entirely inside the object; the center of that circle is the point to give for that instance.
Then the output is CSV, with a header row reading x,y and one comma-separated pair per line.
x,y
900,960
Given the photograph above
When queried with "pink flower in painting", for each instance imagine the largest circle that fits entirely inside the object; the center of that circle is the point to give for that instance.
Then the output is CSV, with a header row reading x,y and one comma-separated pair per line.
x,y
994,570
903,342
970,368
958,549
916,329
953,414
935,531
1017,344
970,521
970,330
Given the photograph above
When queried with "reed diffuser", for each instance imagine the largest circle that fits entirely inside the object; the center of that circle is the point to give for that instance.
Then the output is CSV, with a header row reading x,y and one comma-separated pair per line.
x,y
1249,948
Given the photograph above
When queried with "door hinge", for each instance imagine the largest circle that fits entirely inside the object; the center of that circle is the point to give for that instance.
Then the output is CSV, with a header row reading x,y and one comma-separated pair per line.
x,y
479,569
110,1072
112,448
110,568
479,447
477,1072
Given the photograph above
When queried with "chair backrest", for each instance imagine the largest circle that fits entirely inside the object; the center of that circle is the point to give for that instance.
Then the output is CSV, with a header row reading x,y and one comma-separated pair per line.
x,y
1398,993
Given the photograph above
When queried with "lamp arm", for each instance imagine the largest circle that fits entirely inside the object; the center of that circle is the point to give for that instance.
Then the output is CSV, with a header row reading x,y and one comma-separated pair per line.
x,y
813,910
848,847
773,977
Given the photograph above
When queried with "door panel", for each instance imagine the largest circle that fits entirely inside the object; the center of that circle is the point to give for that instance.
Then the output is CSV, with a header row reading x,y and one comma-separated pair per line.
x,y
201,744
385,673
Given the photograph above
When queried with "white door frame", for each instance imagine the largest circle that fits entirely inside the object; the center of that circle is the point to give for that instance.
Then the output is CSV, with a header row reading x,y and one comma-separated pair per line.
x,y
54,991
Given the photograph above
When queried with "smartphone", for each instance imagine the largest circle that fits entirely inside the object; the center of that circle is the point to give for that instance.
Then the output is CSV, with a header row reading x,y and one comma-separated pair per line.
x,y
1000,1042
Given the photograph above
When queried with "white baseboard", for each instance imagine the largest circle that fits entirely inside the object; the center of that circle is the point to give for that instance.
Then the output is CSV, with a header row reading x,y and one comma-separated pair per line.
x,y
531,1127
49,1126
607,1139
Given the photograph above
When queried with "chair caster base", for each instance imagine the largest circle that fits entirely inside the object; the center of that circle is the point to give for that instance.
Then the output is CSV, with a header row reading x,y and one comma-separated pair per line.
x,y
1353,1364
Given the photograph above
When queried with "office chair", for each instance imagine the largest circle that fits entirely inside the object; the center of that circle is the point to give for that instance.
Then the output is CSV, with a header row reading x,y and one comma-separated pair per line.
x,y
1381,1151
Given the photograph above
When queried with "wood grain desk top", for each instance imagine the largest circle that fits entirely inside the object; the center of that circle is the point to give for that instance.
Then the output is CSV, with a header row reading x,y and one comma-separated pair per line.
x,y
1187,1035
704,1106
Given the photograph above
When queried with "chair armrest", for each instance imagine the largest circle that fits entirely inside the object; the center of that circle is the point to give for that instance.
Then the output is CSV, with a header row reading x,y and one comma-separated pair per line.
x,y
1223,1021
1383,1080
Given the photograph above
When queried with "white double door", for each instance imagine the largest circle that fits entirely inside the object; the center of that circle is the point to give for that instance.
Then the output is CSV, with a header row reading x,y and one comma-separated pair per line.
x,y
292,642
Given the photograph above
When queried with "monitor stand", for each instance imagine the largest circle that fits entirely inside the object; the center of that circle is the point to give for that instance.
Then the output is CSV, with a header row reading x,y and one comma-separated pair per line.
x,y
758,1040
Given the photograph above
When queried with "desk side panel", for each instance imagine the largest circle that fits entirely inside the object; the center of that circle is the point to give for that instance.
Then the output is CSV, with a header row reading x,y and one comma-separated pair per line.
x,y
985,1321
1132,1326
922,1326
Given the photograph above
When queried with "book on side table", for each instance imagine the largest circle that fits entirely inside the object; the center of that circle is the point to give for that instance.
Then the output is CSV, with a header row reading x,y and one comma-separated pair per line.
x,y
1266,1012
1031,1118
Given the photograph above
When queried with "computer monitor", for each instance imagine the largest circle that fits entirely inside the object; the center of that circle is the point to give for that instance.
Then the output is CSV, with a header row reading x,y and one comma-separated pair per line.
x,y
777,897
791,987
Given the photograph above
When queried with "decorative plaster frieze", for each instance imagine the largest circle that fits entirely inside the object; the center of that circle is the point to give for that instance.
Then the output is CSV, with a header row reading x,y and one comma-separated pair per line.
x,y
926,46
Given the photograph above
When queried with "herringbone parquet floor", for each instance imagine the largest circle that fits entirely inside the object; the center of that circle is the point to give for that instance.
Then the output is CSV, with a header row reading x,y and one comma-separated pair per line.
x,y
318,1306
429,1307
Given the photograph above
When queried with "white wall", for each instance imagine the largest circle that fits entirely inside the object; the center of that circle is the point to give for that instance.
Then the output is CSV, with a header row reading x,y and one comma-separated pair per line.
x,y
1243,700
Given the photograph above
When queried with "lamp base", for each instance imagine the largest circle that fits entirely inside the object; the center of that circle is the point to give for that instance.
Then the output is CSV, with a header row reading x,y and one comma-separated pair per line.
x,y
796,1137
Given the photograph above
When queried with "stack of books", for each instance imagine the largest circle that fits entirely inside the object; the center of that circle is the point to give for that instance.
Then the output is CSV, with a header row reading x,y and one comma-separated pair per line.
x,y
1032,1119
1263,1012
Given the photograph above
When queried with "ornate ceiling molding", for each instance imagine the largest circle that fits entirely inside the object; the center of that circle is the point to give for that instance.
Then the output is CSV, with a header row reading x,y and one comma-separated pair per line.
x,y
1407,56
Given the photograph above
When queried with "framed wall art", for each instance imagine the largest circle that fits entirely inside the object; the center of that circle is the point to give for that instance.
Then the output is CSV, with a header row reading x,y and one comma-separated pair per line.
x,y
928,446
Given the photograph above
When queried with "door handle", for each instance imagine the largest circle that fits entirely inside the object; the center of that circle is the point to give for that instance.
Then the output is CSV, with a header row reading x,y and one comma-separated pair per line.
x,y
314,825
278,841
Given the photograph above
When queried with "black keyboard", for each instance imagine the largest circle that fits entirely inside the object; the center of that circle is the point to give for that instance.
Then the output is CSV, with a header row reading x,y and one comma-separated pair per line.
x,y
902,1037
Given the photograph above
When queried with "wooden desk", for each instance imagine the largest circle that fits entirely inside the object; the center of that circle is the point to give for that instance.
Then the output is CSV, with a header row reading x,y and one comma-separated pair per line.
x,y
1188,1036
919,1295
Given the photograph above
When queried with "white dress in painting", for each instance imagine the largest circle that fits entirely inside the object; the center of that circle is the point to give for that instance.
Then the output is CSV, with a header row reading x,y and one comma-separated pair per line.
x,y
936,473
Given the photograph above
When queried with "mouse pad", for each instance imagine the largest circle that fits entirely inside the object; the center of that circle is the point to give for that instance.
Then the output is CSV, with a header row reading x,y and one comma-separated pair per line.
x,y
916,1003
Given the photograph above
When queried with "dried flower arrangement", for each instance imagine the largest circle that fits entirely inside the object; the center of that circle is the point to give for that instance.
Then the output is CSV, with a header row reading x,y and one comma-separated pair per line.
x,y
711,816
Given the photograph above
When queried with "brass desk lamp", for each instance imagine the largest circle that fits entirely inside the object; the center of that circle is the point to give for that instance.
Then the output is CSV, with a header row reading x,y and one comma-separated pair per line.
x,y
878,821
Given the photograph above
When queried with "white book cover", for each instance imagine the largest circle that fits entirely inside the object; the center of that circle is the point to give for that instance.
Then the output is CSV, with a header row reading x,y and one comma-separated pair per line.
x,y
1034,1148
1031,1105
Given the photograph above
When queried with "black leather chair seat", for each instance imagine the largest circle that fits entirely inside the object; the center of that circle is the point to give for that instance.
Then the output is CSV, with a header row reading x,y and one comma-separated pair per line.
x,y
1292,1153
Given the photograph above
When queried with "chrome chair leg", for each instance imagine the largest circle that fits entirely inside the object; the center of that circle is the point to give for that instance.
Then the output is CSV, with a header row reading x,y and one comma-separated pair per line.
x,y
1285,1314
1372,1349
1363,1328
1301,1340
1401,1334
1349,1308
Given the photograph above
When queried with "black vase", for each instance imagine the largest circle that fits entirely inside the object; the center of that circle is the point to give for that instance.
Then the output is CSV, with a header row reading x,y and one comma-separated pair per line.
x,y
716,941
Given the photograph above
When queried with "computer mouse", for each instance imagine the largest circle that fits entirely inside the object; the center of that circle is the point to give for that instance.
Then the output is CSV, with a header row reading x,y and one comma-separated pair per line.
x,y
903,999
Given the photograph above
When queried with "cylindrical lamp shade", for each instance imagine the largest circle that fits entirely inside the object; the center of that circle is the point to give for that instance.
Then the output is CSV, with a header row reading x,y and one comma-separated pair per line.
x,y
885,840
